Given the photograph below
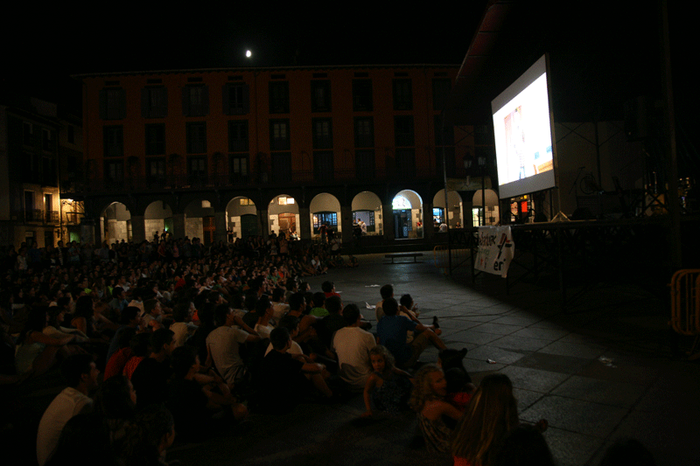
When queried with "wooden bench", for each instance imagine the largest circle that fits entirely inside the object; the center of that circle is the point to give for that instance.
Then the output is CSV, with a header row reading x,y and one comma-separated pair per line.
x,y
415,256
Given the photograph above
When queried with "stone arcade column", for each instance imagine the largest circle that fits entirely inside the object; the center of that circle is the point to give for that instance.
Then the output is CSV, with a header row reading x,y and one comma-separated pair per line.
x,y
220,223
346,222
304,227
428,230
388,221
179,226
264,221
138,228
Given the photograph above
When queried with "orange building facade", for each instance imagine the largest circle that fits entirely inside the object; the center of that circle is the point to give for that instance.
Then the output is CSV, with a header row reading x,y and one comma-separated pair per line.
x,y
222,154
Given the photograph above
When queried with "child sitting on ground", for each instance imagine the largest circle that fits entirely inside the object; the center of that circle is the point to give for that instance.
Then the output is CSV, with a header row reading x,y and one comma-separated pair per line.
x,y
428,400
388,387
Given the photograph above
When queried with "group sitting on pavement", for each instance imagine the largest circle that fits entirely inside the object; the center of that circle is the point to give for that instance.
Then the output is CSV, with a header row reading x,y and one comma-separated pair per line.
x,y
166,337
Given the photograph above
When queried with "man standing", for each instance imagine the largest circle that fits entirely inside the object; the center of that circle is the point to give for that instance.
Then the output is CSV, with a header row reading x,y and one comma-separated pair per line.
x,y
352,345
80,374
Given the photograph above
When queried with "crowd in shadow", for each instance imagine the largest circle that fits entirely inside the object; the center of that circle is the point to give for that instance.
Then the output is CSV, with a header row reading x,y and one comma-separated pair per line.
x,y
170,337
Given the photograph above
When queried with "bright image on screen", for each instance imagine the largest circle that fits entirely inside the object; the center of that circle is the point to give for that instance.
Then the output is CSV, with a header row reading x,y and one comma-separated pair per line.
x,y
523,136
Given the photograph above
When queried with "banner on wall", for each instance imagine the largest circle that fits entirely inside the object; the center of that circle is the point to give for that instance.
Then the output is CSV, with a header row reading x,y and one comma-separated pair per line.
x,y
496,250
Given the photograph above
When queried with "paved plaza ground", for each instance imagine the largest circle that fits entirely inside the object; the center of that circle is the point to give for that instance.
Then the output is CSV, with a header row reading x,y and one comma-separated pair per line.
x,y
598,371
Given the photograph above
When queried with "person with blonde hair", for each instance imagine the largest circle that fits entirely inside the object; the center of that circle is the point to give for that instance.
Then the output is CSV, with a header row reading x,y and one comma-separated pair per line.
x,y
490,415
428,399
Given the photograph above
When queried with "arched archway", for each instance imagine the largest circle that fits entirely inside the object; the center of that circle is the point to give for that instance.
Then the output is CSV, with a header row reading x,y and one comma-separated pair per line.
x,y
367,207
283,215
115,223
325,209
490,198
407,208
158,217
455,209
242,218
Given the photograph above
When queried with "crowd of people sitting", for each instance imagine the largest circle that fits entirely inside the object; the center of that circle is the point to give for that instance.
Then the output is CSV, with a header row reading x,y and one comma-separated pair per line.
x,y
170,336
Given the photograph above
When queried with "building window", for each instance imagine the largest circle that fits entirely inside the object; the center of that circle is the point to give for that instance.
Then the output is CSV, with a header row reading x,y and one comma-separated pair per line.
x,y
279,135
236,99
195,100
112,104
362,95
30,167
113,141
155,171
46,139
279,97
197,170
405,164
154,102
449,154
238,136
71,134
28,133
364,165
443,136
321,218
155,139
321,96
196,133
403,130
366,216
403,95
322,133
441,92
238,167
281,167
323,166
49,175
114,172
364,132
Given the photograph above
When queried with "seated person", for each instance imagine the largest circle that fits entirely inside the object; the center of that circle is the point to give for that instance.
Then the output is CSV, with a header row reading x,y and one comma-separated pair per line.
x,y
80,374
279,306
328,288
153,318
319,309
283,379
151,375
194,397
183,327
334,321
224,343
291,323
392,332
352,345
265,311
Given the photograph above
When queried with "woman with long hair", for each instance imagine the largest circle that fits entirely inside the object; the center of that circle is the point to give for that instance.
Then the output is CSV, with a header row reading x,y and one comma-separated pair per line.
x,y
491,413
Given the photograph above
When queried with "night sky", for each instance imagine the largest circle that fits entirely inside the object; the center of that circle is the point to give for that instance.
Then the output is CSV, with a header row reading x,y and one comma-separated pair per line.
x,y
50,46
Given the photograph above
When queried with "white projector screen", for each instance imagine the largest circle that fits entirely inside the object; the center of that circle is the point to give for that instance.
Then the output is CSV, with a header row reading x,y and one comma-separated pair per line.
x,y
523,134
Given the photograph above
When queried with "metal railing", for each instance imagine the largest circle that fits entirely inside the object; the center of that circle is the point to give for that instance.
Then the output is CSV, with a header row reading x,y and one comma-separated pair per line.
x,y
685,305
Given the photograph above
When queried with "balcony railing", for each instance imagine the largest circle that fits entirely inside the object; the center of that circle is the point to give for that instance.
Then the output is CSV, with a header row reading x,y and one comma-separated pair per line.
x,y
256,179
38,216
